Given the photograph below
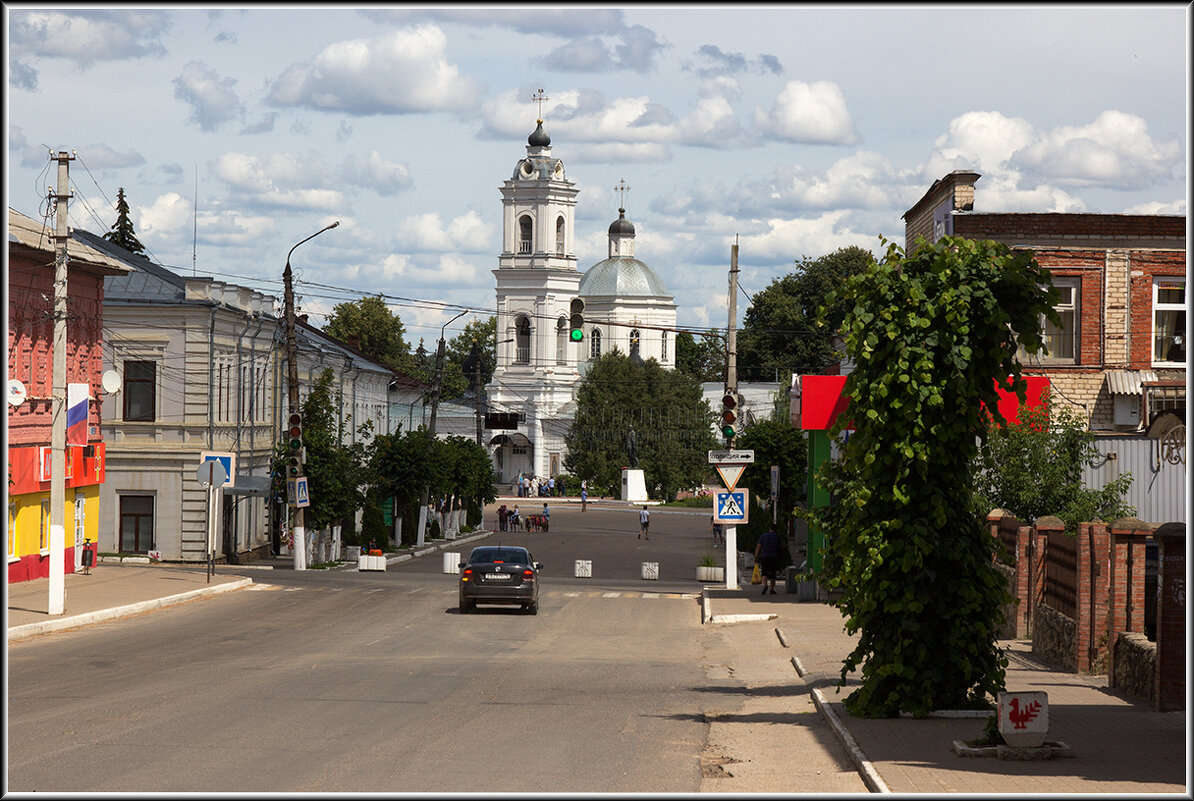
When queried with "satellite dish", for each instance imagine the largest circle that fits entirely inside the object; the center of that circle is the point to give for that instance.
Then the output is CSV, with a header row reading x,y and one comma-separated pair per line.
x,y
16,392
111,381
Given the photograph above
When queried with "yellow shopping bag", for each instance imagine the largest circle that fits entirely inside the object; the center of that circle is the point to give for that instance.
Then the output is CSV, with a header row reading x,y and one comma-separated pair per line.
x,y
756,577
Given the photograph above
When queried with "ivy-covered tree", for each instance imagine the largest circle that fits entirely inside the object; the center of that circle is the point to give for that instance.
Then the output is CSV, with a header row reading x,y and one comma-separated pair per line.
x,y
1033,467
673,426
379,330
122,230
788,326
932,335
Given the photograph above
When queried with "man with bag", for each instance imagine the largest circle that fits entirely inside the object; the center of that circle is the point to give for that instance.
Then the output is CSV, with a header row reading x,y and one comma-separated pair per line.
x,y
767,557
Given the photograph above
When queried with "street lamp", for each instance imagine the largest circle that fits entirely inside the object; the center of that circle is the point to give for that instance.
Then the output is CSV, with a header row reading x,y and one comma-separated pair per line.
x,y
299,540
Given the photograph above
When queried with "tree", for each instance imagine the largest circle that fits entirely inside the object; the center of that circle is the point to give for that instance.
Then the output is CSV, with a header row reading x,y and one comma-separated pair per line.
x,y
704,360
456,379
380,331
932,335
672,422
775,442
122,230
788,326
1033,467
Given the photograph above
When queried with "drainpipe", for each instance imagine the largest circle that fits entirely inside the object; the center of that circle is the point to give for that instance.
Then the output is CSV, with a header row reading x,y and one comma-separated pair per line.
x,y
211,369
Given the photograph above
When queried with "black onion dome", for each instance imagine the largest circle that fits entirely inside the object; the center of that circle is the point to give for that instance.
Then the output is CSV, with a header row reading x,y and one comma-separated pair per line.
x,y
621,226
539,137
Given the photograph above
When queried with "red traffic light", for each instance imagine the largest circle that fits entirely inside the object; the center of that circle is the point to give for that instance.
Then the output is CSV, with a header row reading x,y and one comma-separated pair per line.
x,y
729,401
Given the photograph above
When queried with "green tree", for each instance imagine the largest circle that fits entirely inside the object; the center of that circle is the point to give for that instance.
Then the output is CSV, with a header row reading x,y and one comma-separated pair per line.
x,y
672,422
122,230
704,360
775,442
1033,467
932,335
456,381
379,329
788,326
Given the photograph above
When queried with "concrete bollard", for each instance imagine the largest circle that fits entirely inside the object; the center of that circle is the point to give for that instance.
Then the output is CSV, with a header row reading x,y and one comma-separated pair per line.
x,y
451,562
584,568
650,571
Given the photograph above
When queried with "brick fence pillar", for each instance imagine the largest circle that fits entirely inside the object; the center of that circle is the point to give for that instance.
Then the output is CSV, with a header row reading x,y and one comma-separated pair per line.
x,y
1125,611
1042,528
1093,582
1023,581
1170,684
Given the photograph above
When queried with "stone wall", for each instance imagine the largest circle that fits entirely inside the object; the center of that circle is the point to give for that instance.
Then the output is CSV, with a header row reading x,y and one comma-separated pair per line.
x,y
1053,637
1135,665
1008,630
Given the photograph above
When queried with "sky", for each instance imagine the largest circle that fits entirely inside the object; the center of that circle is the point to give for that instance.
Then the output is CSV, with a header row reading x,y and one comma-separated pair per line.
x,y
795,130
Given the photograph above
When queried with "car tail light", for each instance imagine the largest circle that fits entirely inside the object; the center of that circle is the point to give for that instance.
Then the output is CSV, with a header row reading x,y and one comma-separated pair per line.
x,y
528,575
468,571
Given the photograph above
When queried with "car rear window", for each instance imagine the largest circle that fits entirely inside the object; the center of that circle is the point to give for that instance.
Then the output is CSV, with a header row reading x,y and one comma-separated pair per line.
x,y
499,555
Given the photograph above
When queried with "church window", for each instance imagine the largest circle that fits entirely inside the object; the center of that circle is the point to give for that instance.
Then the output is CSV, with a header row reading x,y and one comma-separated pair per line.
x,y
522,341
595,344
635,341
524,234
560,236
663,347
562,340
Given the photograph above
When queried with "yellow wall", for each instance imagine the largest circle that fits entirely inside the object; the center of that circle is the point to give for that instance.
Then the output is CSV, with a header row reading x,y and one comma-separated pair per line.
x,y
27,528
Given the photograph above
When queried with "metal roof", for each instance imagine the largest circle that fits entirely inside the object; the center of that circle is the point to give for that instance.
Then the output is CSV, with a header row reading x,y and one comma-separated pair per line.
x,y
622,278
1128,382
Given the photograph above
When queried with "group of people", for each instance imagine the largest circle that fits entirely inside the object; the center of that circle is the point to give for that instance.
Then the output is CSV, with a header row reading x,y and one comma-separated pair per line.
x,y
535,487
511,519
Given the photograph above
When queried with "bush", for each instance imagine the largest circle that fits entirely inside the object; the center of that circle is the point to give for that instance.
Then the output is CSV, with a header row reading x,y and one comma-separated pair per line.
x,y
373,524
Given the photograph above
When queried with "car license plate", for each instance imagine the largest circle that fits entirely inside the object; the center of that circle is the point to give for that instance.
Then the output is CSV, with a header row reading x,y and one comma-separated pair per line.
x,y
497,576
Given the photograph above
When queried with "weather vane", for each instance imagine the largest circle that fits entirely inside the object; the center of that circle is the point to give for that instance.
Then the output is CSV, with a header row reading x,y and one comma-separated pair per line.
x,y
621,189
540,99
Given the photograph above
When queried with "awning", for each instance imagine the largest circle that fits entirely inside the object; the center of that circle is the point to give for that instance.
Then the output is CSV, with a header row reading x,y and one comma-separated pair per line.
x,y
1128,382
250,485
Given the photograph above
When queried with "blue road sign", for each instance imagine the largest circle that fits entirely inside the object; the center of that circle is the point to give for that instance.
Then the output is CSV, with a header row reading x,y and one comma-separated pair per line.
x,y
730,507
301,496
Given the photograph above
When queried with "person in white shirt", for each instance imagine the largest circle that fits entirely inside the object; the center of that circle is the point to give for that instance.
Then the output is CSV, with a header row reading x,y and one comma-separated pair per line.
x,y
644,520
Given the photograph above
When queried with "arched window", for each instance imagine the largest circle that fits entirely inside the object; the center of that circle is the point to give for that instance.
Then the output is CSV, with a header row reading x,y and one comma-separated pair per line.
x,y
562,340
560,235
663,348
524,234
635,341
522,340
595,344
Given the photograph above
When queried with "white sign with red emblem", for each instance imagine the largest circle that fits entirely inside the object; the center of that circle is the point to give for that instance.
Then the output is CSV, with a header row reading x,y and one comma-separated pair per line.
x,y
1024,718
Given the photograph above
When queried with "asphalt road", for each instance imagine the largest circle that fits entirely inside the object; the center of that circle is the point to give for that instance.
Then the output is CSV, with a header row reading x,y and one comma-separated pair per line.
x,y
373,682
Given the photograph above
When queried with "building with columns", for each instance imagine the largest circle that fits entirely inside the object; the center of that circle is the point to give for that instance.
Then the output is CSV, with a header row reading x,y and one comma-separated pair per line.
x,y
626,306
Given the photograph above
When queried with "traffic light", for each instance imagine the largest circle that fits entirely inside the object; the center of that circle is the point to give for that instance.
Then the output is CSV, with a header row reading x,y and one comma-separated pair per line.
x,y
577,322
729,415
294,445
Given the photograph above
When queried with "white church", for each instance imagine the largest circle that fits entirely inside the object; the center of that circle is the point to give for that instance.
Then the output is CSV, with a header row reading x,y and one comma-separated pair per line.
x,y
626,306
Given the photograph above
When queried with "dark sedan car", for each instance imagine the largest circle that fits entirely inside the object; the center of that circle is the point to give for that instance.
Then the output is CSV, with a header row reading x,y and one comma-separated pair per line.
x,y
500,574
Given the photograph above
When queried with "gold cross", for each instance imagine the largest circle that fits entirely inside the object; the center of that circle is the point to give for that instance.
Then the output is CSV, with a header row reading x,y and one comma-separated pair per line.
x,y
621,189
540,99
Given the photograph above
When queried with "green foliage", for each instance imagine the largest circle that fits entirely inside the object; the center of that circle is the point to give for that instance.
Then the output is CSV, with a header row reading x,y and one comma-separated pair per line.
x,y
1033,467
380,331
930,335
456,381
335,472
672,422
775,442
122,230
704,360
403,463
788,325
373,523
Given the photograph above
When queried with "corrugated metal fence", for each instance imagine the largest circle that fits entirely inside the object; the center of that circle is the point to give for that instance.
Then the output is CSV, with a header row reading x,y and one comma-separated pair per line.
x,y
1158,488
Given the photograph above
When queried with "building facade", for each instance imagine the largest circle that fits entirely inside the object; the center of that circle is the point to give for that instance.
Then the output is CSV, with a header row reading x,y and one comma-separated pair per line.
x,y
30,359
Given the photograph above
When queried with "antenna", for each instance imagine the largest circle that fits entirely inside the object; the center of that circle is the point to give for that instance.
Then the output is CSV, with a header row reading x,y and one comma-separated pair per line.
x,y
195,217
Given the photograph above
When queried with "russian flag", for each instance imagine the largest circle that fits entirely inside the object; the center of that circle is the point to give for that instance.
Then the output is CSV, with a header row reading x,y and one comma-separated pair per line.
x,y
77,397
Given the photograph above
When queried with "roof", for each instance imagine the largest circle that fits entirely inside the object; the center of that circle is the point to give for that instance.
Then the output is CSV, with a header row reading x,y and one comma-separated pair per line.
x,y
1128,382
622,278
26,232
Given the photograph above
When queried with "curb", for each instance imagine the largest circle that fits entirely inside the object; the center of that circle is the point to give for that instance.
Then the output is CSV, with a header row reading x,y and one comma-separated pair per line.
x,y
870,776
31,629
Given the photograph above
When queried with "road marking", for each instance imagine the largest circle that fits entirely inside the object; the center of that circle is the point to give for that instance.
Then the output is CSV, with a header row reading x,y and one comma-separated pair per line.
x,y
612,595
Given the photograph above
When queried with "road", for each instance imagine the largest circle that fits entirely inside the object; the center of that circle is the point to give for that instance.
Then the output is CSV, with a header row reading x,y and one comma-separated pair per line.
x,y
323,681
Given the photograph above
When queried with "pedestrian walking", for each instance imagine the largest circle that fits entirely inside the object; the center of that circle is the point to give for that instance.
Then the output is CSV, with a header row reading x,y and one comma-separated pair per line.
x,y
644,522
767,553
502,513
584,500
546,515
719,537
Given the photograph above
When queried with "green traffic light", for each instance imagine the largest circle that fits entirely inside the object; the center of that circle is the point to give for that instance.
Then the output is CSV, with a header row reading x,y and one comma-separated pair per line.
x,y
577,335
727,432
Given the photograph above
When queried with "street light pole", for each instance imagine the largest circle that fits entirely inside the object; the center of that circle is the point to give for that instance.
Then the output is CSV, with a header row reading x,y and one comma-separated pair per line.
x,y
299,539
435,387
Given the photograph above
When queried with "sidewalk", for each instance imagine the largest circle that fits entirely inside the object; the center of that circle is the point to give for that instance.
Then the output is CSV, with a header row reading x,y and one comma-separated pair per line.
x,y
1118,744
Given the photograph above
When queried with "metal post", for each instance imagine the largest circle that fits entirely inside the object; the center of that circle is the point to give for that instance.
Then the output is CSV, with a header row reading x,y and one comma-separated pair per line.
x,y
732,388
299,538
57,599
435,387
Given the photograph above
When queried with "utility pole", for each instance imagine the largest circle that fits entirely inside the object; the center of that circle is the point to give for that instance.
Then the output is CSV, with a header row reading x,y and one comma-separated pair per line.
x,y
57,600
299,540
435,388
732,389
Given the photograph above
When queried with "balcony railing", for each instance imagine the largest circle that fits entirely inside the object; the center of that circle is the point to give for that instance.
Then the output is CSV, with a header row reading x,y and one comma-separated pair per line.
x,y
524,246
522,355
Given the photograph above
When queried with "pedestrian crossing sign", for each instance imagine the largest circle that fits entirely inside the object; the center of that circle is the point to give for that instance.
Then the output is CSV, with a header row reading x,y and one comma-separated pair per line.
x,y
301,498
730,507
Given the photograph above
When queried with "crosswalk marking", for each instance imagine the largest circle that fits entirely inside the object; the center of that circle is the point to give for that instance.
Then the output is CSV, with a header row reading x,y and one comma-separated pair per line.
x,y
671,596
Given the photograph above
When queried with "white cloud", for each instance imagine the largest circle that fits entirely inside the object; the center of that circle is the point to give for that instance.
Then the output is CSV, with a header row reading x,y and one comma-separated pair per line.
x,y
387,178
211,98
978,140
819,235
1172,207
85,36
813,113
427,233
400,72
166,215
102,157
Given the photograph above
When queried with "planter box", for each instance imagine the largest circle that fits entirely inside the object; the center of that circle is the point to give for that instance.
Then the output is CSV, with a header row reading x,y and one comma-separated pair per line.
x,y
650,571
711,573
366,562
584,568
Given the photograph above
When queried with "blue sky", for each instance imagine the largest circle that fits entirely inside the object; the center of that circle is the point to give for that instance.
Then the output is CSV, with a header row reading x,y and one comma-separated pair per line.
x,y
796,129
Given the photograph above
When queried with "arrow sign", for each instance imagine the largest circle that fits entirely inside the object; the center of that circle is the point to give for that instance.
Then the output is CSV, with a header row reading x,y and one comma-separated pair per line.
x,y
730,473
730,507
732,457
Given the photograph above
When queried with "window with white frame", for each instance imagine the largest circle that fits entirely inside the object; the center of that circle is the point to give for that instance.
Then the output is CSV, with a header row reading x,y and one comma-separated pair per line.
x,y
140,390
635,341
562,331
595,344
1061,341
1169,320
663,347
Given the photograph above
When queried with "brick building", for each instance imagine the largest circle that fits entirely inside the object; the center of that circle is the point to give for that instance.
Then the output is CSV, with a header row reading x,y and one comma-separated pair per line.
x,y
1119,356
